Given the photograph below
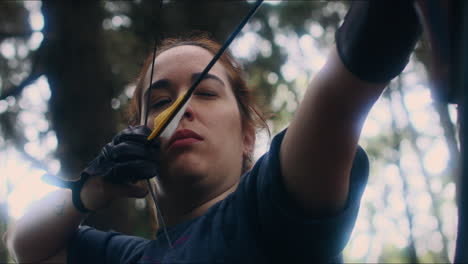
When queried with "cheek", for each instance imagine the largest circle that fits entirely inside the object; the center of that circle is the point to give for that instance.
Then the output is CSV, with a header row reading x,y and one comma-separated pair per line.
x,y
150,123
226,123
151,117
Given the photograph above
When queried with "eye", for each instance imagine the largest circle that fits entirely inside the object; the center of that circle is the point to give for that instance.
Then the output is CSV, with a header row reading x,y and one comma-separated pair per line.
x,y
207,94
161,103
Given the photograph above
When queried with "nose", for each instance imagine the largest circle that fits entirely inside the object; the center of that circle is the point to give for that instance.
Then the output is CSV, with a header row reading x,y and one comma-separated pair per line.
x,y
189,113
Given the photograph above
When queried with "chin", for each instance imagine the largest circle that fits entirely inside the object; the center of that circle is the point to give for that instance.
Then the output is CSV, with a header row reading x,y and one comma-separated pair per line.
x,y
184,170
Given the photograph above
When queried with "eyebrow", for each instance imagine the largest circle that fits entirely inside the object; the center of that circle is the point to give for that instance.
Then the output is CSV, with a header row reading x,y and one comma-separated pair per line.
x,y
165,83
195,76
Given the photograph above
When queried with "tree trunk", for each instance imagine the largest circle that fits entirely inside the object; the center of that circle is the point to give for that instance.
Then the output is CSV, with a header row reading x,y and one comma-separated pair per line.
x,y
81,86
411,252
3,228
80,81
435,208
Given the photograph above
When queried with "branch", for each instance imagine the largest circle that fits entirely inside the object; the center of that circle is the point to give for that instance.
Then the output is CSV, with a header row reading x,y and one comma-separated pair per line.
x,y
18,89
36,72
450,132
25,34
396,145
412,136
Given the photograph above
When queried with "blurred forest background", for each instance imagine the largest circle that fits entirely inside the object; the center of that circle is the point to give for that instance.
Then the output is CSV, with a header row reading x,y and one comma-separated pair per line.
x,y
66,76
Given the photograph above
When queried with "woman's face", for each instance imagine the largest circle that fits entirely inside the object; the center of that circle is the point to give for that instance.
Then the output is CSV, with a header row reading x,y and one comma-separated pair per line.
x,y
209,142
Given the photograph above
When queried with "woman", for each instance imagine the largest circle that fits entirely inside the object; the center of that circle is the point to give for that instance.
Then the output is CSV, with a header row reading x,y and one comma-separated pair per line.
x,y
297,204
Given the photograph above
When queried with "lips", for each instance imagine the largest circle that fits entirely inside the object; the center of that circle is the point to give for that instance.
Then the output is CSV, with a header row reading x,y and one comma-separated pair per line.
x,y
184,137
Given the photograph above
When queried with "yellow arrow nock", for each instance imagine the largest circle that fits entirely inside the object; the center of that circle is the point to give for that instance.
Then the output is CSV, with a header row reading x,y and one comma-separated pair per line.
x,y
161,119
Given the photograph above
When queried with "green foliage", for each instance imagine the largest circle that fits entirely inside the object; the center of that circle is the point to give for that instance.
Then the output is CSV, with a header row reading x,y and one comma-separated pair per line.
x,y
392,254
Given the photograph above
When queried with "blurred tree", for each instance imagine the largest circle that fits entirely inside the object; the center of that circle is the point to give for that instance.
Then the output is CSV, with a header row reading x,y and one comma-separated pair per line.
x,y
412,255
13,24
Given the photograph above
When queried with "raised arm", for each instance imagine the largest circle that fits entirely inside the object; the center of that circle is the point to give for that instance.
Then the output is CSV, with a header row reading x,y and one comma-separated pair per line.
x,y
373,46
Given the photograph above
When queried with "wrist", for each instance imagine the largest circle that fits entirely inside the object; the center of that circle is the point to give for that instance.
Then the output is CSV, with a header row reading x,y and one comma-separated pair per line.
x,y
76,188
94,196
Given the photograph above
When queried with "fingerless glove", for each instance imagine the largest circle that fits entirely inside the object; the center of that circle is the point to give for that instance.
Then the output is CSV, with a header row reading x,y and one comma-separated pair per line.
x,y
127,158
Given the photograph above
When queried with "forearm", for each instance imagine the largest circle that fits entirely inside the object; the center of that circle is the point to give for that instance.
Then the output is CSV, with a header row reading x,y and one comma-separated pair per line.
x,y
49,224
45,229
319,146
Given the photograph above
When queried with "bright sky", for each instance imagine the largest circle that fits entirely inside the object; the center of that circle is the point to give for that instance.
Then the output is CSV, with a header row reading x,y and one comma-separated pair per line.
x,y
305,59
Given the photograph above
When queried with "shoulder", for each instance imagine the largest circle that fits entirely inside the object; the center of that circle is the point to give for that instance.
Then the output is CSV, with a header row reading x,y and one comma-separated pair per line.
x,y
282,225
269,165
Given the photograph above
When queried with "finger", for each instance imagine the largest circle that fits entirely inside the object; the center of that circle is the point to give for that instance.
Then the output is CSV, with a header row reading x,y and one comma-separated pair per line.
x,y
125,151
134,190
131,171
138,189
128,151
137,134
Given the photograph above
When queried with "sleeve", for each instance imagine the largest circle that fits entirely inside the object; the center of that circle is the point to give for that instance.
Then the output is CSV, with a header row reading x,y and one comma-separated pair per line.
x,y
90,245
283,226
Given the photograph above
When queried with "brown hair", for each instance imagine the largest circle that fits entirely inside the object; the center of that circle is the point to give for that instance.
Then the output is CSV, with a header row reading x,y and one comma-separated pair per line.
x,y
251,117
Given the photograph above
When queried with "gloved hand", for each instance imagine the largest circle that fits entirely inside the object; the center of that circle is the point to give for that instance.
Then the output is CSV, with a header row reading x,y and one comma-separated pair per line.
x,y
377,38
122,162
127,158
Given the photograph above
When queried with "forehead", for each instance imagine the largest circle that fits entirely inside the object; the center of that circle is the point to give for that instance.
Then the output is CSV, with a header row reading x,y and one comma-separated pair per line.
x,y
184,59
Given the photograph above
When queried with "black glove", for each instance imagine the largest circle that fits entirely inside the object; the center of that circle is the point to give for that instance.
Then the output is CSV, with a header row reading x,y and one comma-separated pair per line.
x,y
127,158
377,38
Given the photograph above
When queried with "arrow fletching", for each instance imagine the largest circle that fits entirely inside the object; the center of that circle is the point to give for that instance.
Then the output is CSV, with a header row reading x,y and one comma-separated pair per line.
x,y
166,122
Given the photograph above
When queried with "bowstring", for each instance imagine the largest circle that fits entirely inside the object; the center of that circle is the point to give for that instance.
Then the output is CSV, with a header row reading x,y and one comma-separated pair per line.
x,y
159,215
155,47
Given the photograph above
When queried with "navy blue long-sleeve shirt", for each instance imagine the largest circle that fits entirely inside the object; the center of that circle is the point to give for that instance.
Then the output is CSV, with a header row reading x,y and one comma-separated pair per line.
x,y
257,223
